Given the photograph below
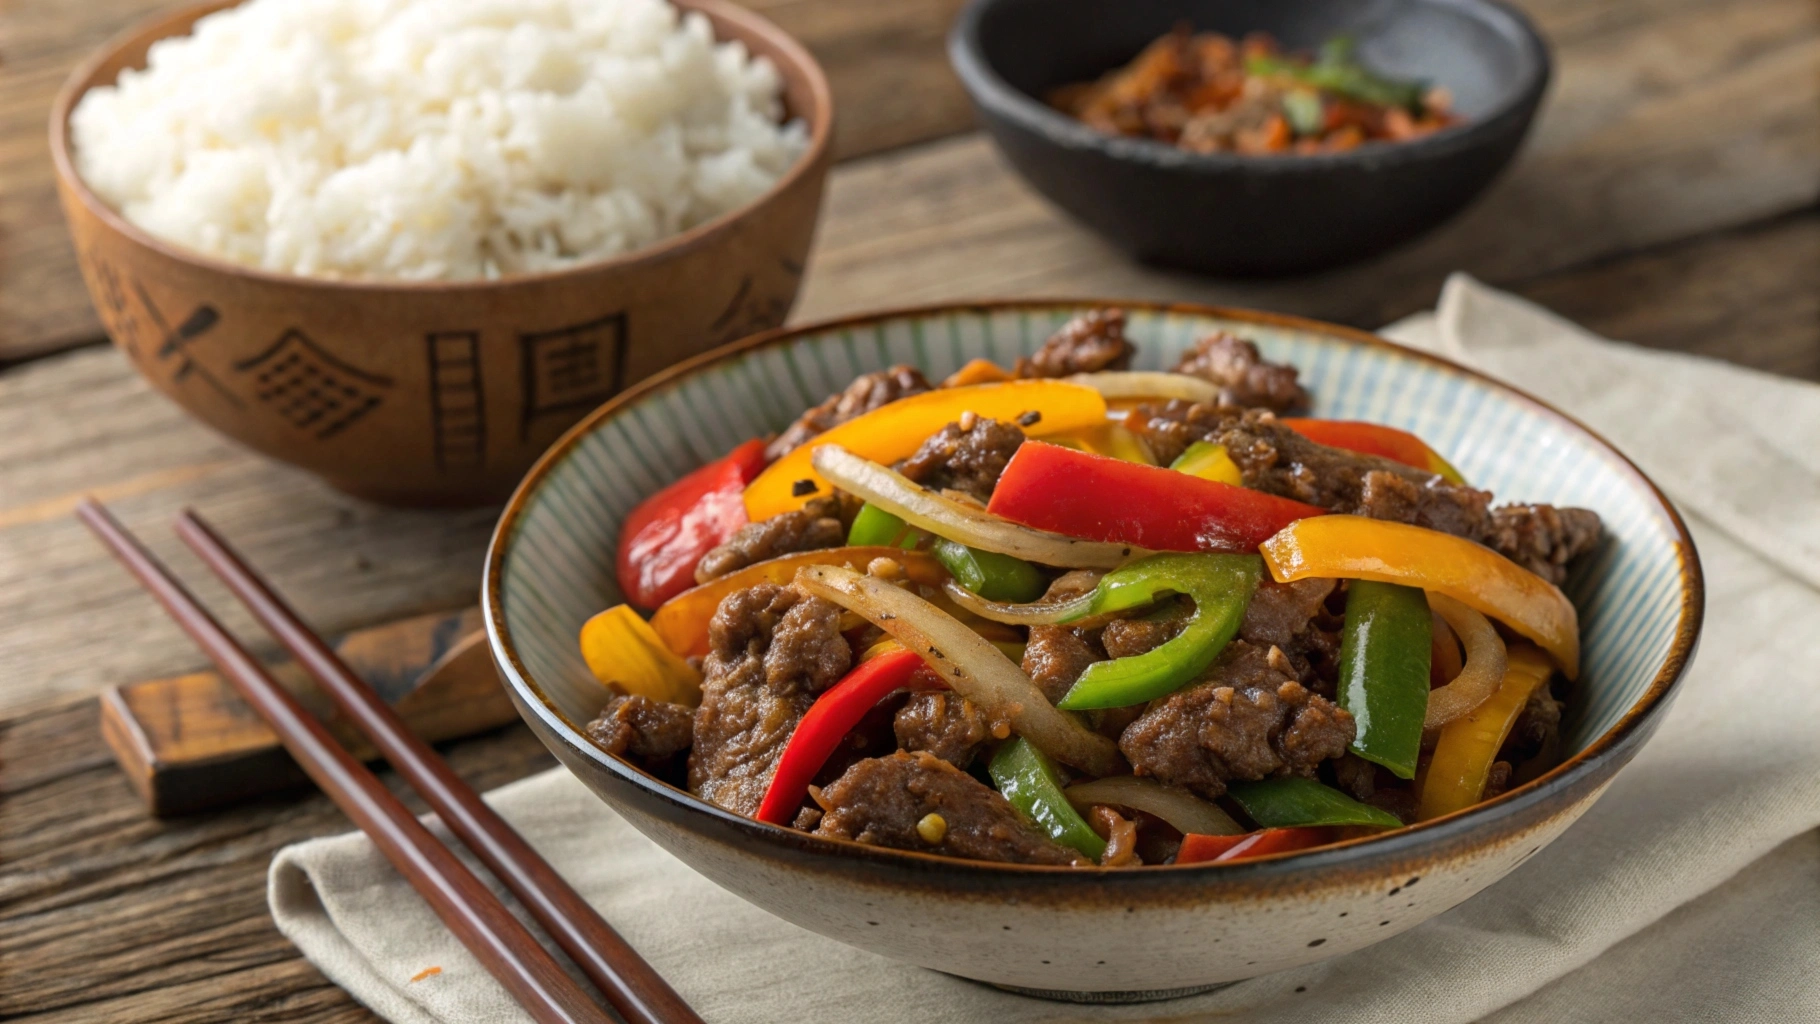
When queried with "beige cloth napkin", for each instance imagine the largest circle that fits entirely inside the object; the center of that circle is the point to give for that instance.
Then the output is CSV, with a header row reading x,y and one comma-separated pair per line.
x,y
1643,911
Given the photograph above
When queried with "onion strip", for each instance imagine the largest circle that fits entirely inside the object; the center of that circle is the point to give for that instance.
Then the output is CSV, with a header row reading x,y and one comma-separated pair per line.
x,y
1180,808
970,665
1036,613
1486,661
1148,384
974,527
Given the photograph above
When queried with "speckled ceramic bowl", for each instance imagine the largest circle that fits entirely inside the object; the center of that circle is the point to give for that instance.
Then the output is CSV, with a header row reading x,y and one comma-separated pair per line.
x,y
1092,933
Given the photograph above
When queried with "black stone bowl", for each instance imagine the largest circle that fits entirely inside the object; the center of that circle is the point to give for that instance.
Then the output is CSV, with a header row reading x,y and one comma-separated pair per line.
x,y
1229,214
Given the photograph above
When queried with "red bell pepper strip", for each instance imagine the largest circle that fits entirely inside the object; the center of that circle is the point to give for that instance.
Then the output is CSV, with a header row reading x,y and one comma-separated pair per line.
x,y
1376,439
828,721
668,532
1200,849
1099,498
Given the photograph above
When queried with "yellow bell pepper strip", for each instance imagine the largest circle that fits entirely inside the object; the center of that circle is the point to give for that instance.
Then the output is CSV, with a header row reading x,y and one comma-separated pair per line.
x,y
1455,777
1385,647
977,371
1112,439
1221,586
1295,801
989,574
1376,439
874,527
1209,461
622,649
682,622
1354,547
1028,779
895,431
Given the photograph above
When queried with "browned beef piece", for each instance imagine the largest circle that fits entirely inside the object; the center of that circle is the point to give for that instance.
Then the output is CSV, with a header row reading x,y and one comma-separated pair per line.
x,y
1376,786
1245,378
867,392
771,649
943,723
968,459
1542,538
815,526
1279,612
880,801
1055,657
642,727
1536,727
1249,719
1089,343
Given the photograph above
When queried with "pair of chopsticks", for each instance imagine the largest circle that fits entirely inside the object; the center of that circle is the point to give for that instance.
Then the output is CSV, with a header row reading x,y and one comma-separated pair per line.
x,y
470,910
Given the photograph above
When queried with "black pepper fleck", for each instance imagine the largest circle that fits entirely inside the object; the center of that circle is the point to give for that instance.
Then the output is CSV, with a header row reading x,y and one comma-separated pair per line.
x,y
803,487
1029,419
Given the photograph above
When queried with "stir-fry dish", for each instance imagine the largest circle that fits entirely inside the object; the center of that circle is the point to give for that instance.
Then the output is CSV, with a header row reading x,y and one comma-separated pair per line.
x,y
1211,94
1066,613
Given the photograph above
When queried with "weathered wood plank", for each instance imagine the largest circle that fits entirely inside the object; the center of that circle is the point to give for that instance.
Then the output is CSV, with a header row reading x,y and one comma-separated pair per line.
x,y
884,62
107,914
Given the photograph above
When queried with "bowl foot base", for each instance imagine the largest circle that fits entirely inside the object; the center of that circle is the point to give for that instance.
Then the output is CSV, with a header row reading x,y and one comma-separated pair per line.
x,y
1113,998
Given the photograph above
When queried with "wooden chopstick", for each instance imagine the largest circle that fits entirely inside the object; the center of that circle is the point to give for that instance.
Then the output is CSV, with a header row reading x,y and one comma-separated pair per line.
x,y
482,923
630,984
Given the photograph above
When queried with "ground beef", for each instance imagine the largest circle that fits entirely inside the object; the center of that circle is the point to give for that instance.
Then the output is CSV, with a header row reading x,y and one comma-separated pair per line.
x,y
815,526
771,649
1248,719
1244,377
880,801
652,730
968,459
1542,538
1128,638
867,392
943,723
1089,343
1375,785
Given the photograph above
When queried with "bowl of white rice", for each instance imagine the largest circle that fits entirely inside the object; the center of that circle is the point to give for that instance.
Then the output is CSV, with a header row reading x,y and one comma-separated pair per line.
x,y
405,244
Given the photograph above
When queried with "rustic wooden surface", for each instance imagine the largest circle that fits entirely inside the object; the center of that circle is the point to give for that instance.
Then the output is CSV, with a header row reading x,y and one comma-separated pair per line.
x,y
1668,197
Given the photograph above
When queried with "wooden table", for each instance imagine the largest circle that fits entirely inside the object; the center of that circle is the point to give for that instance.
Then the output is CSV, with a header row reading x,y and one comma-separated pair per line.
x,y
1668,197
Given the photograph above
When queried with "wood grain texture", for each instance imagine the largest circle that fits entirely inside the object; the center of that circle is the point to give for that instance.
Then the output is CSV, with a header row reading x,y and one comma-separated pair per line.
x,y
109,915
884,62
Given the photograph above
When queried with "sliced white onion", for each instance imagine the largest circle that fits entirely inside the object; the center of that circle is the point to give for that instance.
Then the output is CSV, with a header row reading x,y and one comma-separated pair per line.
x,y
1148,384
970,665
1037,613
1486,660
974,527
1178,807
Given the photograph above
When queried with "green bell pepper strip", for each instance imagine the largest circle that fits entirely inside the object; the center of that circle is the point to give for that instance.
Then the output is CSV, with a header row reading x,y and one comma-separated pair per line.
x,y
1027,778
1295,801
1221,586
1385,649
1338,71
989,574
874,527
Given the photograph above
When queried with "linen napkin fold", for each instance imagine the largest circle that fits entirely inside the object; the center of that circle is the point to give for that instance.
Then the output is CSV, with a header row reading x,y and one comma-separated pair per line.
x,y
1644,910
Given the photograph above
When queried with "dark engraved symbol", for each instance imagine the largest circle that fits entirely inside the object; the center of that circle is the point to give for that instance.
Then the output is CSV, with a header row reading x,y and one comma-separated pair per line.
x,y
745,314
572,368
129,327
311,388
458,421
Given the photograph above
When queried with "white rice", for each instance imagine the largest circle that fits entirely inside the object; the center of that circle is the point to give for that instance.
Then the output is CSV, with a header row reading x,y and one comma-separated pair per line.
x,y
428,139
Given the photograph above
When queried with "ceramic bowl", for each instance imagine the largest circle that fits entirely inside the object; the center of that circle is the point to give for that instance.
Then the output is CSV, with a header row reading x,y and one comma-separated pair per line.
x,y
1233,214
1113,933
437,392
